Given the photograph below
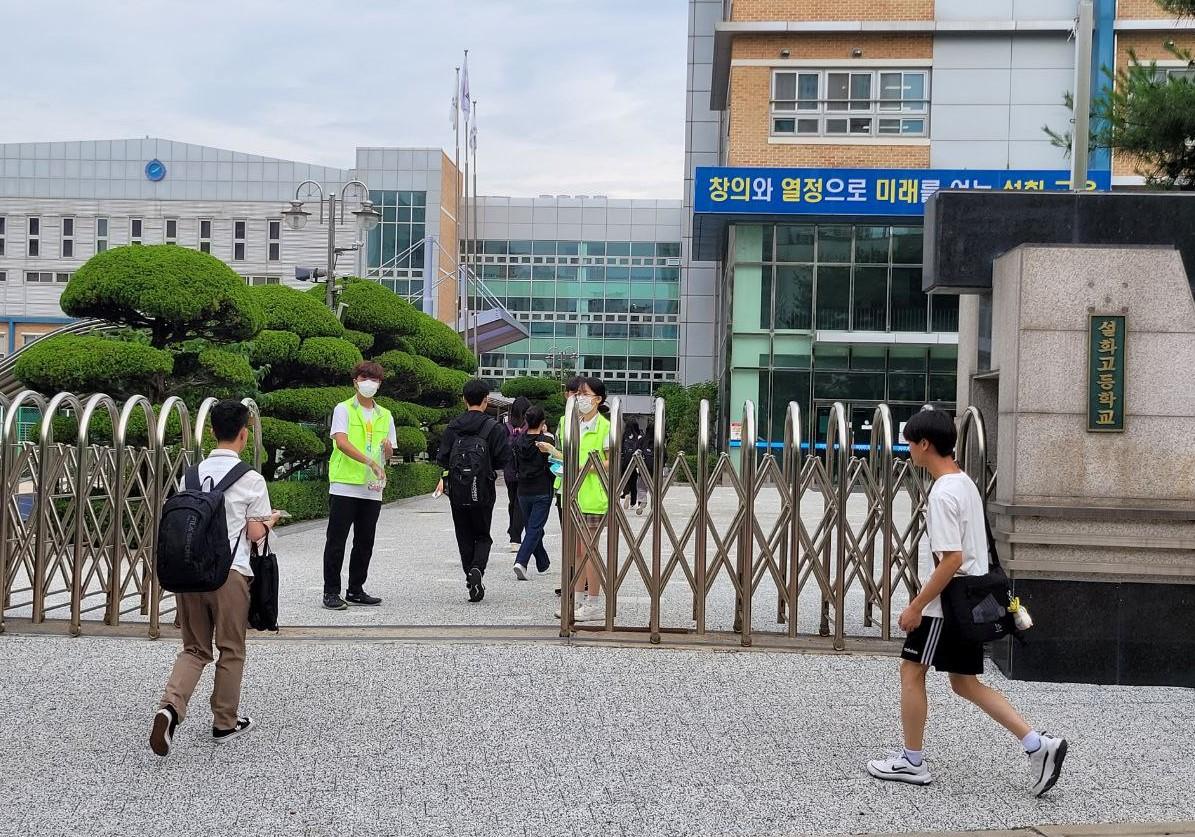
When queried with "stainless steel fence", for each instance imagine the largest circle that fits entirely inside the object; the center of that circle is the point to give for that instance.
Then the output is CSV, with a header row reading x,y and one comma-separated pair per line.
x,y
832,536
79,519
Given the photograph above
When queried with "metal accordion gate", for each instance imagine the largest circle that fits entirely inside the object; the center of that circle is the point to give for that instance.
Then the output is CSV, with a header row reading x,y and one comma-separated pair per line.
x,y
801,545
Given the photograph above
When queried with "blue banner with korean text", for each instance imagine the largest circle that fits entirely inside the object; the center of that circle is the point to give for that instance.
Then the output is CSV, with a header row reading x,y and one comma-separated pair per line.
x,y
768,191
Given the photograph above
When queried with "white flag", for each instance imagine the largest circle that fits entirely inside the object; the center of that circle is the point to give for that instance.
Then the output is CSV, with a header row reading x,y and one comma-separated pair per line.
x,y
466,99
473,134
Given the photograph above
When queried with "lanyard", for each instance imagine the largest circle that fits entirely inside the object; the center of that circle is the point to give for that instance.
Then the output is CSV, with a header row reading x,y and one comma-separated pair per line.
x,y
368,435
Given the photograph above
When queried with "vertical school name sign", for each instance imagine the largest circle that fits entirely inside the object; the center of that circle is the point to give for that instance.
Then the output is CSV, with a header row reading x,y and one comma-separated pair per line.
x,y
1106,364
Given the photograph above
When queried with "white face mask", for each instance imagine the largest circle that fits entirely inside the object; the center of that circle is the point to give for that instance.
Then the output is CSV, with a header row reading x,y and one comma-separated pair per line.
x,y
585,403
367,388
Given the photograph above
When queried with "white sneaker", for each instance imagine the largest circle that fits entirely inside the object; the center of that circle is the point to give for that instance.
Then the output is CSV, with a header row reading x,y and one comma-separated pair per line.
x,y
591,613
1045,763
520,572
639,509
897,768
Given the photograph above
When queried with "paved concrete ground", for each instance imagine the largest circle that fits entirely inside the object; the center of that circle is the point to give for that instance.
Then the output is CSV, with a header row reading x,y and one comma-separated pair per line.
x,y
545,739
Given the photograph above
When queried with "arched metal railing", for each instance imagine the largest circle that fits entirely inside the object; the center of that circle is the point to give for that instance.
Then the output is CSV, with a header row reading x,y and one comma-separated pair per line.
x,y
79,505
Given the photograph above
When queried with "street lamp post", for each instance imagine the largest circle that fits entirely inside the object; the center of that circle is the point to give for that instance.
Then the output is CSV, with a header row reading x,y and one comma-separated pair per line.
x,y
367,219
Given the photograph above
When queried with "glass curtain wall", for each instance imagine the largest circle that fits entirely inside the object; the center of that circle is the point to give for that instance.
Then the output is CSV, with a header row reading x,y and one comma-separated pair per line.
x,y
608,308
394,252
863,282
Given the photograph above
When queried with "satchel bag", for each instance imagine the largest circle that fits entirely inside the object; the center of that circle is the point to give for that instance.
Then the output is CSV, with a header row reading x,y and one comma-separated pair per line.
x,y
263,588
977,606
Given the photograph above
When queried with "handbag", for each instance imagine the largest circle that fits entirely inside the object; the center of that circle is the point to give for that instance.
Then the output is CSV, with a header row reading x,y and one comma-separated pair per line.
x,y
263,588
977,606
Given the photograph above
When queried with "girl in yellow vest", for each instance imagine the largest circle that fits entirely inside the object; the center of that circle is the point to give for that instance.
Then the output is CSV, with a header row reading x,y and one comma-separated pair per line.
x,y
591,498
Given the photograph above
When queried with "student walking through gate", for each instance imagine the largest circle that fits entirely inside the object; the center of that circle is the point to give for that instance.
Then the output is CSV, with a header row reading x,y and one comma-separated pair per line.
x,y
472,451
221,615
957,535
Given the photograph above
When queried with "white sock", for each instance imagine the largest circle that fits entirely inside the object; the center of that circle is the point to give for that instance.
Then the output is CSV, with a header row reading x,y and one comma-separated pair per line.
x,y
1032,742
915,757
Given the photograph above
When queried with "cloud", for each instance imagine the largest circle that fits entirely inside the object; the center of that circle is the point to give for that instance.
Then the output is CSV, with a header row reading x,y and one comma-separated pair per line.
x,y
574,96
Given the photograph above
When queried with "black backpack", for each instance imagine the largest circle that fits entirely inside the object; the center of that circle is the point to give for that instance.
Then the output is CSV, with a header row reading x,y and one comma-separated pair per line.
x,y
470,472
194,555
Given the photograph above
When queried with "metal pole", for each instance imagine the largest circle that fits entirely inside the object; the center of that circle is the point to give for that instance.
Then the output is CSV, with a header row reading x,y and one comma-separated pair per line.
x,y
658,455
1082,97
330,295
703,454
456,123
838,428
568,533
473,229
614,466
747,532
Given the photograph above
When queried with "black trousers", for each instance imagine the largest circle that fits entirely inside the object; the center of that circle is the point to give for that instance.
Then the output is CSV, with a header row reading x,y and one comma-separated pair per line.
x,y
473,535
517,521
361,516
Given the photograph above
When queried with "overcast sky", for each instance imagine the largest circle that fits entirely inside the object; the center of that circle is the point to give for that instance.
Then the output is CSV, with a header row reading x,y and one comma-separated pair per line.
x,y
574,96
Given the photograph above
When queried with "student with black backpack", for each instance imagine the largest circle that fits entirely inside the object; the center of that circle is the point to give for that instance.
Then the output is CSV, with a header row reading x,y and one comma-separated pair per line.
x,y
203,558
472,451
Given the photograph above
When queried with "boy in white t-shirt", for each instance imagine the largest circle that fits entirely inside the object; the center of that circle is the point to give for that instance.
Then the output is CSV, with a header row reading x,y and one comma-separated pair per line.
x,y
957,535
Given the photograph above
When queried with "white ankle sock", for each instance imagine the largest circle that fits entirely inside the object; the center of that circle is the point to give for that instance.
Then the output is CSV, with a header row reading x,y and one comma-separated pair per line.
x,y
1032,742
915,757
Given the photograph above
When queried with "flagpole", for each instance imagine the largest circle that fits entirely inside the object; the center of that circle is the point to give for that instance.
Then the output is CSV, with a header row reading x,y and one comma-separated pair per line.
x,y
475,226
456,159
468,116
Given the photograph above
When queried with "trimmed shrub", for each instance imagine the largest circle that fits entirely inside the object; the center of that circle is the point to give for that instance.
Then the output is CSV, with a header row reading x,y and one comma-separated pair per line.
x,y
175,293
407,375
311,404
421,414
230,369
287,309
274,348
411,479
445,385
308,500
296,441
403,417
378,311
360,339
411,442
92,363
327,359
528,386
441,343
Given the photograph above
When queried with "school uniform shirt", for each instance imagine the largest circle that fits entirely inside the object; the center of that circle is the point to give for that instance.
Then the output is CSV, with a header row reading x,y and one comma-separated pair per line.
x,y
340,424
955,523
248,497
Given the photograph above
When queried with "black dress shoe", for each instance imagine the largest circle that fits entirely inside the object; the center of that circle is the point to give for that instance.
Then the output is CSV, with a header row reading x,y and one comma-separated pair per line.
x,y
332,601
361,598
476,588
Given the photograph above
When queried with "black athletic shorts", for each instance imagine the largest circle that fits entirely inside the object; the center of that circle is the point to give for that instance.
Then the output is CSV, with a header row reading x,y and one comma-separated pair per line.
x,y
932,643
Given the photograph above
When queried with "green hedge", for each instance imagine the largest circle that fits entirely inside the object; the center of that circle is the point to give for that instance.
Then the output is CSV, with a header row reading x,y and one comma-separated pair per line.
x,y
229,369
535,388
272,348
309,500
407,375
327,359
311,404
441,343
360,339
91,363
296,441
182,293
378,311
411,442
287,309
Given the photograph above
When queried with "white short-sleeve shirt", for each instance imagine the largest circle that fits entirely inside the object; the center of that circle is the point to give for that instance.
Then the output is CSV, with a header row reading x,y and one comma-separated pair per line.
x,y
340,424
248,497
954,521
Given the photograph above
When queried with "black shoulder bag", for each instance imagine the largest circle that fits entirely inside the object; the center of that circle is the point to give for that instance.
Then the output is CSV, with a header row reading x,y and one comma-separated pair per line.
x,y
976,606
263,588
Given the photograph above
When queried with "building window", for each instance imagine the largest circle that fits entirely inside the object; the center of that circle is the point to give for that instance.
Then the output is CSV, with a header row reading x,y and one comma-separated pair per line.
x,y
172,231
205,235
134,231
867,103
2,227
263,280
34,239
3,276
46,277
238,241
274,235
68,238
101,234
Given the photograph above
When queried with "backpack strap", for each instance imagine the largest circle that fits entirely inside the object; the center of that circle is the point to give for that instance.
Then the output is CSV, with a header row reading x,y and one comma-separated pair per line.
x,y
191,479
230,479
993,556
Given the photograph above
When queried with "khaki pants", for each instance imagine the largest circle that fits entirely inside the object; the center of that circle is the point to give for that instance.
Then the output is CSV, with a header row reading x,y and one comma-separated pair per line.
x,y
224,615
